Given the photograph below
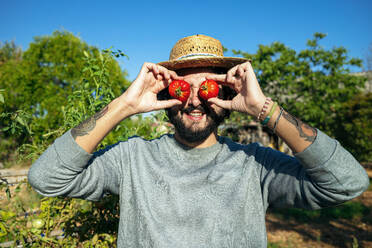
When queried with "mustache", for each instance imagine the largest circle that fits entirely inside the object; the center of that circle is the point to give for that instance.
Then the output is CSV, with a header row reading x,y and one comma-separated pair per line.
x,y
201,108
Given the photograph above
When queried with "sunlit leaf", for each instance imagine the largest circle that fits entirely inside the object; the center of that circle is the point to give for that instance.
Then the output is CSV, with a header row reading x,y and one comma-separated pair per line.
x,y
3,230
86,54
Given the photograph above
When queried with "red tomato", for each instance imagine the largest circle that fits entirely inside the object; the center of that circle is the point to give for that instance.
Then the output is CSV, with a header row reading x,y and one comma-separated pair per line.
x,y
180,90
208,89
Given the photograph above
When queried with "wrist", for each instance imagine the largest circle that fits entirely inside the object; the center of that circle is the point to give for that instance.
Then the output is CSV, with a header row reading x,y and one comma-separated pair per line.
x,y
269,113
263,109
274,118
267,116
120,109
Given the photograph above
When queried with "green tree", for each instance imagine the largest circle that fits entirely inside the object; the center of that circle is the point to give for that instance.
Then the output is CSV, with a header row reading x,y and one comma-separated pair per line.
x,y
99,221
355,130
10,60
9,51
41,81
312,84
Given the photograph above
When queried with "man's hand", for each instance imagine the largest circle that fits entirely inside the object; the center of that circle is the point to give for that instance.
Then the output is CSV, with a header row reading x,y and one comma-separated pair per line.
x,y
241,78
250,99
141,96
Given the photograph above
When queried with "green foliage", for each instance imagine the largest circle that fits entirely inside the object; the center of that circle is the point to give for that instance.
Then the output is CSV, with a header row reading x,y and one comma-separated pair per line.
x,y
1,96
32,221
312,84
9,51
274,245
355,129
39,85
84,224
349,210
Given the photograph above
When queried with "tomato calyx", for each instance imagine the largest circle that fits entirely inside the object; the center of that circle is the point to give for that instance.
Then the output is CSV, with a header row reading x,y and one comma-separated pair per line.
x,y
178,91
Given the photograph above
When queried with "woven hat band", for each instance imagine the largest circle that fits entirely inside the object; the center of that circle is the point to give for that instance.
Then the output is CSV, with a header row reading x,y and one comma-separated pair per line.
x,y
197,44
197,55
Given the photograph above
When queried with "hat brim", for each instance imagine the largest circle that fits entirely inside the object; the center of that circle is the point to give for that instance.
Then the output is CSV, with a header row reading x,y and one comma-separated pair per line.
x,y
224,62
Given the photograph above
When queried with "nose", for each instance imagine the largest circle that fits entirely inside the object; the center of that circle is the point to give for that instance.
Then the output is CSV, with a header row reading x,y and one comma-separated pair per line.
x,y
194,96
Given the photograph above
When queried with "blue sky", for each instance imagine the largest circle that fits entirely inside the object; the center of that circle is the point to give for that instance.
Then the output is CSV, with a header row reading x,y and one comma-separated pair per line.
x,y
147,30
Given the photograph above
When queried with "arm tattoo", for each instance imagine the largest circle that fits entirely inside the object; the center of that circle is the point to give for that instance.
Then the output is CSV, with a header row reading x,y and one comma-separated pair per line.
x,y
305,131
88,125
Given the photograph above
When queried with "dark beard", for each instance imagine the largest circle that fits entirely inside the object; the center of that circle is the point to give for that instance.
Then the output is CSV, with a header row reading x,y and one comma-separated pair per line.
x,y
191,134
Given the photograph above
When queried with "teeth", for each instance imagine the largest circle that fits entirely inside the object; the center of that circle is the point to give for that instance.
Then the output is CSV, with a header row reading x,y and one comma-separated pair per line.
x,y
196,114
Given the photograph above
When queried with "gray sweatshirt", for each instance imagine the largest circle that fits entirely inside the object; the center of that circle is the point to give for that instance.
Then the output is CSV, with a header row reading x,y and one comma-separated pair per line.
x,y
175,196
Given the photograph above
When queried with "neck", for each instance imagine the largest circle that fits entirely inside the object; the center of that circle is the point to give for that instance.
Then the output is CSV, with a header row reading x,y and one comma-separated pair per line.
x,y
209,141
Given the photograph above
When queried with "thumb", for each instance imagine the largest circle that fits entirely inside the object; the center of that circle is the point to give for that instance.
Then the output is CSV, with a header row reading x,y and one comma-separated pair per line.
x,y
220,103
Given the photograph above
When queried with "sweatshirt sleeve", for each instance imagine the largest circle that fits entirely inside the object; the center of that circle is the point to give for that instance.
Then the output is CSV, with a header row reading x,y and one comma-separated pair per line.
x,y
66,169
323,175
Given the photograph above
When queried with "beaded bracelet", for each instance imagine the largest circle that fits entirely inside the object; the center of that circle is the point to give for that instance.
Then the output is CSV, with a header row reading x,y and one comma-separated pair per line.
x,y
277,119
264,108
268,117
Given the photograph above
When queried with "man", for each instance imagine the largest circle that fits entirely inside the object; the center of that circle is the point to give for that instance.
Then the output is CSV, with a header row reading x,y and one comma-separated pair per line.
x,y
194,188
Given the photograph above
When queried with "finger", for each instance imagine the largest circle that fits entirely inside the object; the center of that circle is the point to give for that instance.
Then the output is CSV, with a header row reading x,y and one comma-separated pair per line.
x,y
160,78
152,67
247,65
161,67
164,71
231,74
240,72
174,75
228,84
167,104
220,103
161,84
221,79
217,77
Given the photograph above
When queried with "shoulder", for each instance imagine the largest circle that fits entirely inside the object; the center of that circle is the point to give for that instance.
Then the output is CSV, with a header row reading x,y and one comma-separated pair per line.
x,y
254,152
239,153
232,146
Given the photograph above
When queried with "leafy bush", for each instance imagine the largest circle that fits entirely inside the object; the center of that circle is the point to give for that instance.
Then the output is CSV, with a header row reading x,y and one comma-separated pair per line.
x,y
350,210
81,223
355,129
40,82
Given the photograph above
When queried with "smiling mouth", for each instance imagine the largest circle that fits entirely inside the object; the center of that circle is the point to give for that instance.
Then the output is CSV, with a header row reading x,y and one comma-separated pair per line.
x,y
195,115
198,114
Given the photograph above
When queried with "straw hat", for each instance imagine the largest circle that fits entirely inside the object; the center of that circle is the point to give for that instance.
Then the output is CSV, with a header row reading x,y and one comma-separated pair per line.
x,y
199,51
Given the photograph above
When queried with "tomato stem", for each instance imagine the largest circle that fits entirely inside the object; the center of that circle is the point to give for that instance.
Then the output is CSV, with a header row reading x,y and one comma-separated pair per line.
x,y
178,91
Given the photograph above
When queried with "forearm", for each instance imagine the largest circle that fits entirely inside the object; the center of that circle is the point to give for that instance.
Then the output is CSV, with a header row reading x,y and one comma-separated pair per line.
x,y
295,133
92,131
322,174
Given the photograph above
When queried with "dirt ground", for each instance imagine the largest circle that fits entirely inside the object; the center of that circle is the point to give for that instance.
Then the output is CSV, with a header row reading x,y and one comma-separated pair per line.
x,y
332,234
